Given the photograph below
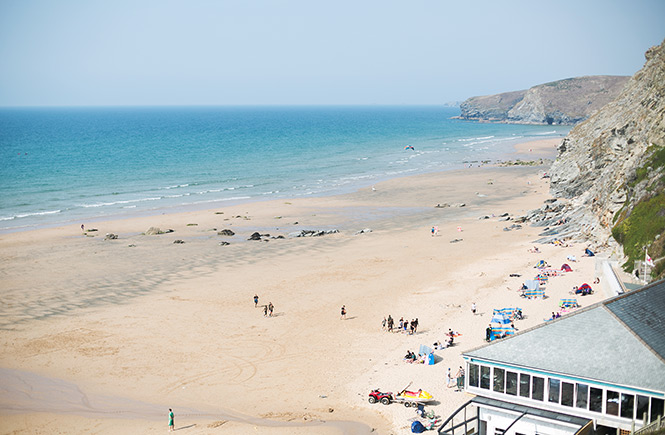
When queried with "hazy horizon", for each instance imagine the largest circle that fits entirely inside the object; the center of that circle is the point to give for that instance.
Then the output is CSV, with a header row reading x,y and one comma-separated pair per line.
x,y
299,53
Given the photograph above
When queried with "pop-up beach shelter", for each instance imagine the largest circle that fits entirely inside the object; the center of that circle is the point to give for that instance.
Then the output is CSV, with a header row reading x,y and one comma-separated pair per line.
x,y
424,350
541,264
584,289
566,268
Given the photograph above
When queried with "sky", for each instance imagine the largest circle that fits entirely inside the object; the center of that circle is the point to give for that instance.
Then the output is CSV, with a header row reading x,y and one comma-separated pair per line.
x,y
308,52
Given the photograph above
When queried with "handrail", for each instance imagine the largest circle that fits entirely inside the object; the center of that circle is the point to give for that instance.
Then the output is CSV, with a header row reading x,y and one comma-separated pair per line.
x,y
453,415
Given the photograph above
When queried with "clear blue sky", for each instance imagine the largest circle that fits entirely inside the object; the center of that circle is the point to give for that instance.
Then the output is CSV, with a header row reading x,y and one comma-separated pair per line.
x,y
228,52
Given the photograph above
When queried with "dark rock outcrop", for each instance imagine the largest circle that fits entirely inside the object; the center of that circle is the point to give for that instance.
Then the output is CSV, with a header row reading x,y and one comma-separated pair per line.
x,y
225,232
567,101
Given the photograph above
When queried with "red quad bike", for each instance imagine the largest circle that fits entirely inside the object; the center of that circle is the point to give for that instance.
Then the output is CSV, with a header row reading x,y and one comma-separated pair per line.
x,y
378,396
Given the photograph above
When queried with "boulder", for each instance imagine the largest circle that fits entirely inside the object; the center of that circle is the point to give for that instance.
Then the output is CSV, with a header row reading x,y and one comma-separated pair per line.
x,y
153,231
178,242
110,236
226,232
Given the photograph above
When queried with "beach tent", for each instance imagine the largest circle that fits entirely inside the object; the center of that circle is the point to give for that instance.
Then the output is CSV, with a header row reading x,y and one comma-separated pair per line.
x,y
589,252
541,264
566,268
568,303
417,427
584,289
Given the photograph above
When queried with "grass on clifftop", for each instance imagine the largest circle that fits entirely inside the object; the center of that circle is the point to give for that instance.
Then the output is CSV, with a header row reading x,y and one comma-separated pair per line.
x,y
644,226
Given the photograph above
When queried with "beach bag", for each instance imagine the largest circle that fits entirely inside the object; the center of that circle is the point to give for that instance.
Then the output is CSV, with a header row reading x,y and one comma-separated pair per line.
x,y
417,427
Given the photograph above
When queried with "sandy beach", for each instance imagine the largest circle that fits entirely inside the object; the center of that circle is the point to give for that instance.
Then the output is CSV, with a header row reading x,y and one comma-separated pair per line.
x,y
105,336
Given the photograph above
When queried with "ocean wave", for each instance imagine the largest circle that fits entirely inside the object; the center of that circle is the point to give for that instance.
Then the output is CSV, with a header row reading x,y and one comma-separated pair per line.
x,y
25,215
128,201
474,138
545,133
234,198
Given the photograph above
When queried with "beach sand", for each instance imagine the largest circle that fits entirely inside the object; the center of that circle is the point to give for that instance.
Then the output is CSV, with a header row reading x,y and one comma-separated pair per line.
x,y
105,335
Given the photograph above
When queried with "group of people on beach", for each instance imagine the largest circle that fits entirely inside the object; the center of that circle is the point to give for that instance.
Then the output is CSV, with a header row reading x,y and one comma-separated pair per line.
x,y
409,327
267,309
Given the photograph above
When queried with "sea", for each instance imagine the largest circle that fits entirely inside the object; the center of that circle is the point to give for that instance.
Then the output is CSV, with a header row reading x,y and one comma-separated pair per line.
x,y
65,166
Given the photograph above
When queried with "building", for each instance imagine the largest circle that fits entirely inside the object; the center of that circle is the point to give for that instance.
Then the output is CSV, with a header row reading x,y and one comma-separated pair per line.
x,y
598,370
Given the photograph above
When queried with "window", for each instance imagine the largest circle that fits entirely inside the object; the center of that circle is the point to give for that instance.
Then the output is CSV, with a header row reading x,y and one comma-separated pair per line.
x,y
499,380
538,388
511,383
656,408
612,403
485,377
627,405
525,384
595,399
555,386
473,375
642,408
567,391
582,396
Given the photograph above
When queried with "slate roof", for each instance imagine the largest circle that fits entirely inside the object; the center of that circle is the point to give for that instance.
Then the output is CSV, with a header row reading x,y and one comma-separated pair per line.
x,y
643,312
620,341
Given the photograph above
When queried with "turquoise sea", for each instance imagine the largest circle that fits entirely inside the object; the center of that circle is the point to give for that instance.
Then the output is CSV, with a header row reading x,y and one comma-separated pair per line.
x,y
64,166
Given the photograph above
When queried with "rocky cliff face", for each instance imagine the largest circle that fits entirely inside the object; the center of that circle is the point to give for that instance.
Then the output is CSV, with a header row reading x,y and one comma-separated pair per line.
x,y
566,101
612,163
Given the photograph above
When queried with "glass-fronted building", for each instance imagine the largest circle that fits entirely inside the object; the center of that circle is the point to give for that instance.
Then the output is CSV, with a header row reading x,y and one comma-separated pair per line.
x,y
598,370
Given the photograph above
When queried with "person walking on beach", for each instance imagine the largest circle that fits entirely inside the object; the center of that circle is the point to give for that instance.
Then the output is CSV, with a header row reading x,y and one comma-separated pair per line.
x,y
171,423
391,322
265,311
449,378
343,312
256,301
473,308
460,379
432,231
271,307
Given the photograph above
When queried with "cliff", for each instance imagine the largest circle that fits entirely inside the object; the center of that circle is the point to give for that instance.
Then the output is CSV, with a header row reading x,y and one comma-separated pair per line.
x,y
609,176
567,101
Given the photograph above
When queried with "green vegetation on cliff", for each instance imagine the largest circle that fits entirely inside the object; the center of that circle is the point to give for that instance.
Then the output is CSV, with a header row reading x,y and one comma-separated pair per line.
x,y
645,223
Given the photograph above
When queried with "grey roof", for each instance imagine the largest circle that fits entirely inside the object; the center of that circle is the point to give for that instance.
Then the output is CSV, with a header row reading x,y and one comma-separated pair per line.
x,y
595,343
550,415
644,313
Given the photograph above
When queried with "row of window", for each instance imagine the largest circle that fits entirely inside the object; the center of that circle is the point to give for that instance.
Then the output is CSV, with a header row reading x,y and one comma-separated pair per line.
x,y
552,390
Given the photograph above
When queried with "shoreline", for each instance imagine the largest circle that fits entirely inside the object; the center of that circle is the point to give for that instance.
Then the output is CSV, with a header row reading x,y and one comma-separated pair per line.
x,y
172,324
519,150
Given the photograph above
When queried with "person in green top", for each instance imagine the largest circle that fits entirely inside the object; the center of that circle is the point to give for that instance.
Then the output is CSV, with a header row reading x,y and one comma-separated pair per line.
x,y
171,425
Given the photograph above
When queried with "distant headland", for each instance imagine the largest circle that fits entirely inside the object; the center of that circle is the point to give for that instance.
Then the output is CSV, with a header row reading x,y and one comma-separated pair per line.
x,y
562,102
